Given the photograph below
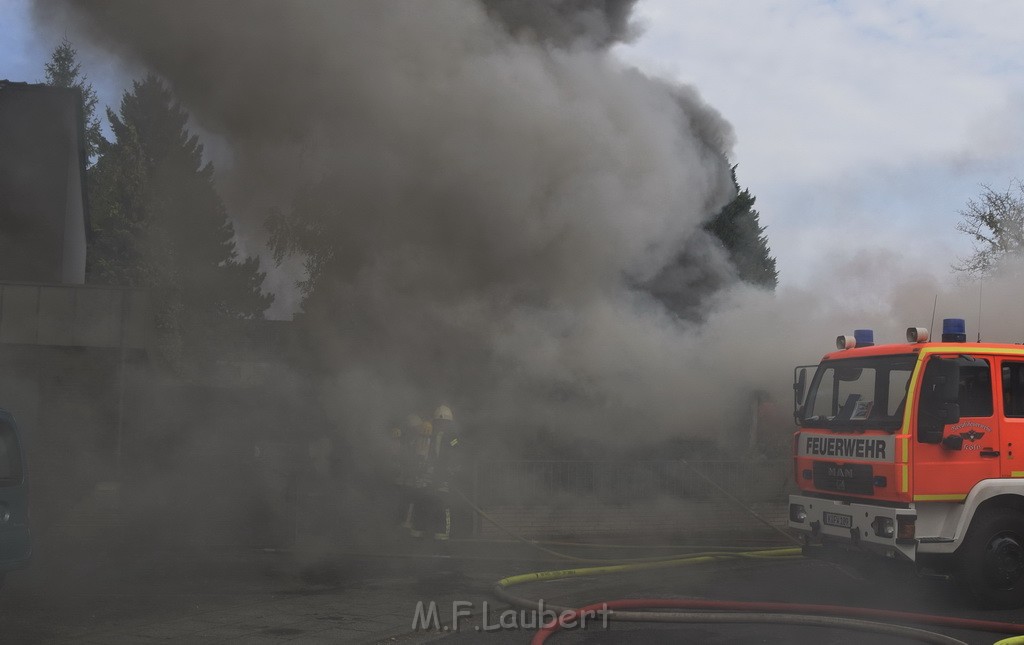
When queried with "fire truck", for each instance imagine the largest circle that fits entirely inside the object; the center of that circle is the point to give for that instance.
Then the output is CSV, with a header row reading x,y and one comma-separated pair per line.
x,y
915,452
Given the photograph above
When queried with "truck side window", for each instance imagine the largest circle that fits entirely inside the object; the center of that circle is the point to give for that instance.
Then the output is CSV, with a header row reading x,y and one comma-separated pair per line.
x,y
975,389
1013,389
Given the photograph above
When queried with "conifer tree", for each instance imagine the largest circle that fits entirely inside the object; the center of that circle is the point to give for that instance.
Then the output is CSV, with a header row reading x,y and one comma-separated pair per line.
x,y
64,70
158,220
738,227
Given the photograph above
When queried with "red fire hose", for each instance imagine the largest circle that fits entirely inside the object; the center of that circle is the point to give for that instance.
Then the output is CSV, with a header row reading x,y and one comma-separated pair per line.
x,y
775,612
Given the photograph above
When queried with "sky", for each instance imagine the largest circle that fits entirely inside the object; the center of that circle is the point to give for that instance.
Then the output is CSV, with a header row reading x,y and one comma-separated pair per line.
x,y
862,127
23,53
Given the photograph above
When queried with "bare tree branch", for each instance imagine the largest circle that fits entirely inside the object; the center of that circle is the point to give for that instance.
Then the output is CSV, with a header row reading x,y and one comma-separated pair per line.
x,y
995,223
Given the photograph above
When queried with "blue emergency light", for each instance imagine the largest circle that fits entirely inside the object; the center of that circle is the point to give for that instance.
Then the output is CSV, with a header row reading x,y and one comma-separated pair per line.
x,y
864,337
954,330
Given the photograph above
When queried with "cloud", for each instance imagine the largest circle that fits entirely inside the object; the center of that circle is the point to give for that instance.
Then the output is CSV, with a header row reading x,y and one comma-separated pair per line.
x,y
21,55
844,84
888,115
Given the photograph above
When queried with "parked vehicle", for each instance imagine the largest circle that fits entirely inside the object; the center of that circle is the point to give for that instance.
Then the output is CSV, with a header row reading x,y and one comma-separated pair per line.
x,y
15,537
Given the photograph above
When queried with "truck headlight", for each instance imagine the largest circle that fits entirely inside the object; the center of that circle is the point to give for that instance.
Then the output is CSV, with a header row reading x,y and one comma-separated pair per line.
x,y
884,527
797,513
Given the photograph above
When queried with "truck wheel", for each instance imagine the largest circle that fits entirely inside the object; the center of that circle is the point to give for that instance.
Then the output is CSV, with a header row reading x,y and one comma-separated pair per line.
x,y
990,562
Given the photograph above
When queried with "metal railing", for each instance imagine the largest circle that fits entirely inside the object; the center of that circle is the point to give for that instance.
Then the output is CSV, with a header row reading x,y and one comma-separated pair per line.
x,y
610,482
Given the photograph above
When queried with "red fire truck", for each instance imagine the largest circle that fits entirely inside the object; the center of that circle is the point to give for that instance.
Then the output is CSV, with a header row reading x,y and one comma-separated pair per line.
x,y
915,452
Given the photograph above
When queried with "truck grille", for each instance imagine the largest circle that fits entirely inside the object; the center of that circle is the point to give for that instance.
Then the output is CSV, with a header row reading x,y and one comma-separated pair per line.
x,y
844,478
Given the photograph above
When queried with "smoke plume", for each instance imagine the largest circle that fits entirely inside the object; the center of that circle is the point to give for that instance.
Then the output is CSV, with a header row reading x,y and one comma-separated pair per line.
x,y
493,186
594,23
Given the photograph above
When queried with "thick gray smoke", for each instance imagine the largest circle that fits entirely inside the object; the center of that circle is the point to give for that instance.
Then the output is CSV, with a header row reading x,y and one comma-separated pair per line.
x,y
566,22
494,187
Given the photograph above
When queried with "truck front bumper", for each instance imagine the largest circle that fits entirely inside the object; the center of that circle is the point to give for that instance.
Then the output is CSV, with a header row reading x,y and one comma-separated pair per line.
x,y
865,527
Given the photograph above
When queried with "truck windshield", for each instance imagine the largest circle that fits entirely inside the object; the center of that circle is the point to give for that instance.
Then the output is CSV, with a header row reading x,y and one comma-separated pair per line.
x,y
859,393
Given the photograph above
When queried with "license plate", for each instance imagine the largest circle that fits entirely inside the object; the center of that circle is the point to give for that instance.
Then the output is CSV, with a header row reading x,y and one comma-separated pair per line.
x,y
837,519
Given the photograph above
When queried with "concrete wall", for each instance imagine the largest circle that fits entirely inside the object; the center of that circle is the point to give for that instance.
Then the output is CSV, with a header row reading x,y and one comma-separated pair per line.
x,y
42,167
70,361
75,316
73,257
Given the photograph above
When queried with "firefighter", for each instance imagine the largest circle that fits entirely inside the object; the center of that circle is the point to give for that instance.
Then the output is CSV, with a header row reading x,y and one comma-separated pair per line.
x,y
410,463
423,505
447,467
396,472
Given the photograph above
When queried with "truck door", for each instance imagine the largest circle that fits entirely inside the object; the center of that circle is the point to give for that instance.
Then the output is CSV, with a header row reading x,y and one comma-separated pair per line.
x,y
952,455
15,544
1011,447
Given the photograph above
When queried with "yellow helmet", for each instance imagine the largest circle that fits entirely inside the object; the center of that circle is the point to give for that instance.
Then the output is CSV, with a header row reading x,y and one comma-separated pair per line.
x,y
443,412
427,428
414,421
396,433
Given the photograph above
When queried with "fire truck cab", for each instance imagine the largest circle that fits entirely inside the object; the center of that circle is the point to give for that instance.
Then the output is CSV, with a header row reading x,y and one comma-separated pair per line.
x,y
915,452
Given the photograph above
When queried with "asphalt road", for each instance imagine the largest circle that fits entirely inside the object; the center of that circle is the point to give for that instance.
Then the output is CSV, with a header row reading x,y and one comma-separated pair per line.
x,y
257,597
791,581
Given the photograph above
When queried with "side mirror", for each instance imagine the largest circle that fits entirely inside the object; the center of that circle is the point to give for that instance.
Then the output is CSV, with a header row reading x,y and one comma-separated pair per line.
x,y
951,413
953,442
931,432
939,405
942,378
799,387
947,380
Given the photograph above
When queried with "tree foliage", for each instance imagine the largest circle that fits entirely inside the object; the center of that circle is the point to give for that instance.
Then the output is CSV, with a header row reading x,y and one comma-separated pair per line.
x,y
995,223
158,220
303,231
64,70
739,229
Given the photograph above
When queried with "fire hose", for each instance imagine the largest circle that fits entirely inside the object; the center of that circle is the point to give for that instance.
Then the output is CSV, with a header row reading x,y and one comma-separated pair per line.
x,y
711,611
717,611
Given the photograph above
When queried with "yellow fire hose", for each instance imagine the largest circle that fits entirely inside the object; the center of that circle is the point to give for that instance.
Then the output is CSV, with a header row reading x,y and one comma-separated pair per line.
x,y
780,615
695,558
783,614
